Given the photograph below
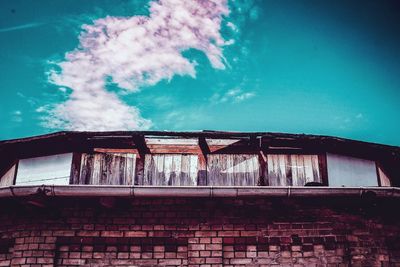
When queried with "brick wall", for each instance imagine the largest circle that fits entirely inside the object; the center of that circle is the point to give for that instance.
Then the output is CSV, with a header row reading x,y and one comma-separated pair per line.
x,y
201,232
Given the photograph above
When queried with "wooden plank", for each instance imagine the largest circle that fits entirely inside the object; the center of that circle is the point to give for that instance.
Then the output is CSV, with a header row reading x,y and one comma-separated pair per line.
x,y
75,168
284,179
139,169
308,169
86,169
168,169
262,162
256,170
193,166
148,168
221,142
232,169
176,170
229,168
130,168
271,173
213,170
107,168
202,170
171,169
173,149
237,170
300,179
316,169
323,169
292,170
172,141
116,150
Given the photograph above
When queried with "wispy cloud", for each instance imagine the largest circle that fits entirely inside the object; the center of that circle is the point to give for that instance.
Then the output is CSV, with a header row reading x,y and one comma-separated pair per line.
x,y
346,122
22,27
133,52
234,95
16,116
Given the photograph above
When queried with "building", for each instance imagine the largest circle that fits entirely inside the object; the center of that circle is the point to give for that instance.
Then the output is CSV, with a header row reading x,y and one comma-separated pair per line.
x,y
198,199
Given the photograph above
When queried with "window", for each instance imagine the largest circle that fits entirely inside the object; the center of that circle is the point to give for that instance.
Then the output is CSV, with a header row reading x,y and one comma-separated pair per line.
x,y
233,170
53,169
170,169
349,171
292,170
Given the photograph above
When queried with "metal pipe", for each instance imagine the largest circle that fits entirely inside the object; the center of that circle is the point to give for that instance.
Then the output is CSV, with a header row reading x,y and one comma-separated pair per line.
x,y
200,191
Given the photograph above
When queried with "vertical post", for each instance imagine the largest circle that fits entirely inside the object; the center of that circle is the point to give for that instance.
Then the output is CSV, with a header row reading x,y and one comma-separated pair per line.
x,y
202,178
262,160
75,168
139,169
323,168
142,148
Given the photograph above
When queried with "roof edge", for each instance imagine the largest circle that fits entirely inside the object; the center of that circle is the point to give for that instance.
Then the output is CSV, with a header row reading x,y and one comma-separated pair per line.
x,y
193,134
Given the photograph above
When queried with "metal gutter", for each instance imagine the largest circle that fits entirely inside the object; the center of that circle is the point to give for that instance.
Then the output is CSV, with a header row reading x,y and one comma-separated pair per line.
x,y
87,191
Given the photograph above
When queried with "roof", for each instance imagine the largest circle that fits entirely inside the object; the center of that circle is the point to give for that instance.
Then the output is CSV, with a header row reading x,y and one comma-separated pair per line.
x,y
263,140
245,142
72,141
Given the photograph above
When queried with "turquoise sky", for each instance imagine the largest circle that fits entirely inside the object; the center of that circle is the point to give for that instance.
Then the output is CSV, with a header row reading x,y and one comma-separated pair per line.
x,y
297,66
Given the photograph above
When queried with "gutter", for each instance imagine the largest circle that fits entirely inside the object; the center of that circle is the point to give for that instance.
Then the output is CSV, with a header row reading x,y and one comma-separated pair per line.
x,y
87,191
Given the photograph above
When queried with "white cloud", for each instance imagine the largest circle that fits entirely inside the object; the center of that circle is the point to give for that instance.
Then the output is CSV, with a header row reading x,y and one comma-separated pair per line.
x,y
133,52
234,95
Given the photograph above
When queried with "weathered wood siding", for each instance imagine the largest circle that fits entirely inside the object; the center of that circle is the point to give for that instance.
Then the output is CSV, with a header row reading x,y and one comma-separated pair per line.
x,y
8,178
292,170
170,169
107,169
232,170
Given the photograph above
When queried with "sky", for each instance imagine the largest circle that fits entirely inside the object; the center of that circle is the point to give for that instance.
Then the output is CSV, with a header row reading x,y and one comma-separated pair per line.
x,y
295,66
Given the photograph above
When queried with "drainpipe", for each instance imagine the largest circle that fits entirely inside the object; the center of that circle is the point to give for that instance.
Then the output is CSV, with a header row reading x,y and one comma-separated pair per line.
x,y
84,191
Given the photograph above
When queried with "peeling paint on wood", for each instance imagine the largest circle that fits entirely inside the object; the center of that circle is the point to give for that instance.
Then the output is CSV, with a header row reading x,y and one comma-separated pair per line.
x,y
232,170
292,170
107,168
170,169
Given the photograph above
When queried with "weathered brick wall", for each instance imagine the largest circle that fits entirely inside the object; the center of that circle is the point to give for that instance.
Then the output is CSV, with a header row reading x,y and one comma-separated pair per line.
x,y
201,232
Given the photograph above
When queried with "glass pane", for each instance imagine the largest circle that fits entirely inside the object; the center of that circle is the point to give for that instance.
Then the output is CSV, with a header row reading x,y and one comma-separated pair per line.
x,y
349,171
54,169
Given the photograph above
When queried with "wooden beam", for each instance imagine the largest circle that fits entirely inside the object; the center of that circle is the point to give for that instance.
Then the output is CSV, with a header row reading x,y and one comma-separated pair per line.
x,y
204,146
323,168
202,179
262,159
75,168
140,144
